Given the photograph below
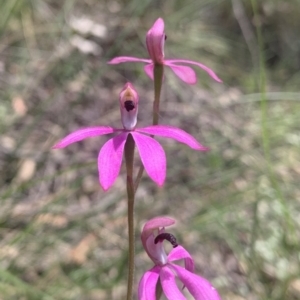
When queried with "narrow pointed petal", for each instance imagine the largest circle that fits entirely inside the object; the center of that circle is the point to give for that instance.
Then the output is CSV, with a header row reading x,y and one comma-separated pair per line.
x,y
186,74
147,284
180,253
210,72
153,157
169,286
82,134
175,134
110,159
199,287
149,70
122,59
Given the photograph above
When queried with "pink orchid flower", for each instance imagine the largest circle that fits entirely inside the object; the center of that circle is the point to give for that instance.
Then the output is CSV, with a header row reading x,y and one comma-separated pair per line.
x,y
151,152
155,42
166,270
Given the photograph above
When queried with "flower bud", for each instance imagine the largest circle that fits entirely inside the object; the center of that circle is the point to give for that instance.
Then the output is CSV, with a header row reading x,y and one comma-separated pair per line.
x,y
155,41
129,106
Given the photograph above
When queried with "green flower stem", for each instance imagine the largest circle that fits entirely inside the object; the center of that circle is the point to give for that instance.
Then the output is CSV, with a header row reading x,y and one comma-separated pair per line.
x,y
158,78
129,156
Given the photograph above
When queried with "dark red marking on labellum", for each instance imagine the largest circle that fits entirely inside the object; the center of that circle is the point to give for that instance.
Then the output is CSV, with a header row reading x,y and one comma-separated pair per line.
x,y
129,105
166,236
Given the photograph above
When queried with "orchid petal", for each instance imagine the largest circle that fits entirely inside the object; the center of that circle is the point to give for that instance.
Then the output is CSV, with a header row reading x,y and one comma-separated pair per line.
x,y
82,134
147,284
110,159
149,70
122,59
186,74
210,72
153,157
200,288
180,253
173,133
169,286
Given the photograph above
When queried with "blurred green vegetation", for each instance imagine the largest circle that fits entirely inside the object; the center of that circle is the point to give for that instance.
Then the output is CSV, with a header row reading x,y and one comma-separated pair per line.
x,y
237,206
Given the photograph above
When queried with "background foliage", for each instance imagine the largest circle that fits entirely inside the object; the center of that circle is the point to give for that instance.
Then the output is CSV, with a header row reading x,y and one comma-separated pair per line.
x,y
237,207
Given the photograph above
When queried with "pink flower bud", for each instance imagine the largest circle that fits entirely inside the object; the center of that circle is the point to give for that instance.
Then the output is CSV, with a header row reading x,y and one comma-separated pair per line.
x,y
155,41
129,106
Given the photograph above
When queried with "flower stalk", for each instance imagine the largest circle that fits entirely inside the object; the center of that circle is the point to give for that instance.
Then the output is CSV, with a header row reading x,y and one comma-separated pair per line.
x,y
158,78
129,156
